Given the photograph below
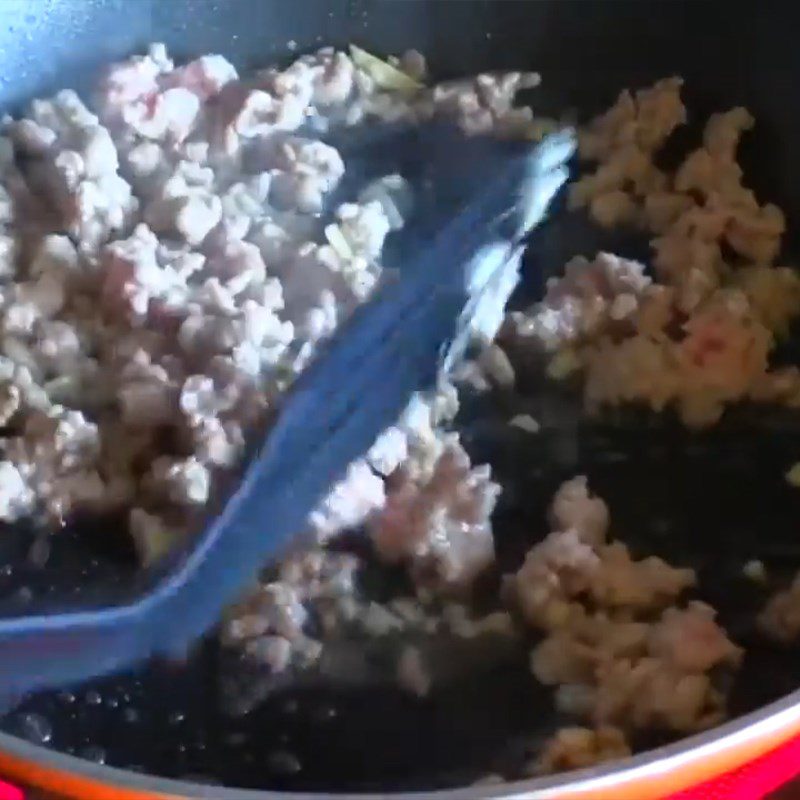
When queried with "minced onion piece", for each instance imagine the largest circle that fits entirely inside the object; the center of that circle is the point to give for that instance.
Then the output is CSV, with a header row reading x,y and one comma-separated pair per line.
x,y
395,196
338,241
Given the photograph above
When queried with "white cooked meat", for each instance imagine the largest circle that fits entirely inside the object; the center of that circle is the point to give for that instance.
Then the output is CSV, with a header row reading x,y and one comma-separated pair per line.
x,y
166,247
592,298
439,527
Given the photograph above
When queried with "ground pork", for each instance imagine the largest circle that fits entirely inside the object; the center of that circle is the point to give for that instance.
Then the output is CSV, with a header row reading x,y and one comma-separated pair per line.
x,y
592,298
699,339
576,748
440,527
780,618
617,649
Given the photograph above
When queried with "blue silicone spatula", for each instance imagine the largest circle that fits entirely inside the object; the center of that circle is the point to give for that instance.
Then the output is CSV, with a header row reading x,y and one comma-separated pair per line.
x,y
492,195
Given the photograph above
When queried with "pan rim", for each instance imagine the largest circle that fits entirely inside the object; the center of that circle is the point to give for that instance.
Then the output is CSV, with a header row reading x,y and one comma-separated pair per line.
x,y
701,756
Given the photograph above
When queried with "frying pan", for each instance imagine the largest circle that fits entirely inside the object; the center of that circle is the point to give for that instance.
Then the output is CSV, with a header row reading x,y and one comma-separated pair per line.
x,y
712,501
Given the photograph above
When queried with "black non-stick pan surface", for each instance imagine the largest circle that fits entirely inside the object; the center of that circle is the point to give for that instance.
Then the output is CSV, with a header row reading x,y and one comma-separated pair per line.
x,y
711,501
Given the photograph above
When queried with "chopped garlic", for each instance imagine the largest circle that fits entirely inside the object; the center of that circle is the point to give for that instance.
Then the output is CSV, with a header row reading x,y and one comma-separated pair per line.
x,y
525,422
384,74
563,364
497,366
755,571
